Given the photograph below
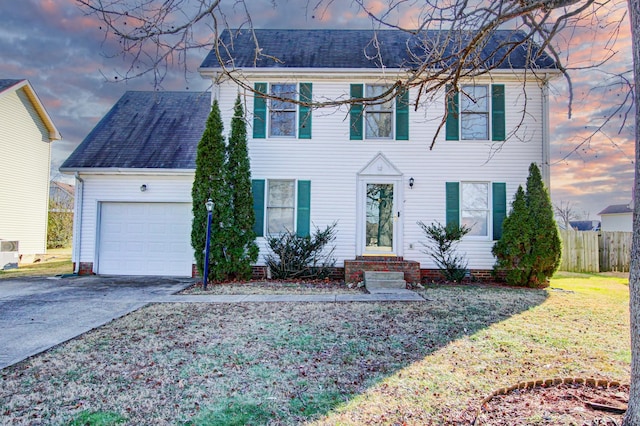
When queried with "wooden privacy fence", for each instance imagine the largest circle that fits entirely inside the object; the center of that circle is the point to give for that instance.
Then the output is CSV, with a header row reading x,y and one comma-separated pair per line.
x,y
589,251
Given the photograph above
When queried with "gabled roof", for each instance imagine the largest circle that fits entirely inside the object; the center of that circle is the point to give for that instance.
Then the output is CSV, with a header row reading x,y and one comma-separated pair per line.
x,y
8,85
585,225
159,130
616,209
355,49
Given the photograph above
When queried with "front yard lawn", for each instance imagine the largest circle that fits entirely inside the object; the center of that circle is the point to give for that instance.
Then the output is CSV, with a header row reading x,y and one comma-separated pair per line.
x,y
419,363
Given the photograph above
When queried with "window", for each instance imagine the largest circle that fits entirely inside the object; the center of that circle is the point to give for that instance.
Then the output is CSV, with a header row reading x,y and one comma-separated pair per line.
x,y
479,205
474,113
378,115
285,119
474,212
281,205
282,114
376,120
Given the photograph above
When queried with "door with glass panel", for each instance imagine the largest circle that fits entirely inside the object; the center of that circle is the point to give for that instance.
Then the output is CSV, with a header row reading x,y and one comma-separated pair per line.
x,y
380,221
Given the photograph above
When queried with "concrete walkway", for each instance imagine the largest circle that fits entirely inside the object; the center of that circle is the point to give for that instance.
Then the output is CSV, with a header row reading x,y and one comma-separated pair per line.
x,y
37,314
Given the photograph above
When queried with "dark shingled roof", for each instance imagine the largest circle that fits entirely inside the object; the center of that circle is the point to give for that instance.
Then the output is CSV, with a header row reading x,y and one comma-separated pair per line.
x,y
616,209
5,83
354,49
146,130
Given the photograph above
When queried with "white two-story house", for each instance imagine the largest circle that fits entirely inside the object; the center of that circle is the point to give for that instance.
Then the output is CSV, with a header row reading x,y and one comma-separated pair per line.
x,y
370,167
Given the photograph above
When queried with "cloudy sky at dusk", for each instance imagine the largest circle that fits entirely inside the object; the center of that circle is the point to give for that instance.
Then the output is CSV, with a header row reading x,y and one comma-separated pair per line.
x,y
64,55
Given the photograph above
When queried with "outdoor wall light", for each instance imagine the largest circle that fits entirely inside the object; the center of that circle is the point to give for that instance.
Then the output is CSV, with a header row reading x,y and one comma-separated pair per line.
x,y
143,187
411,181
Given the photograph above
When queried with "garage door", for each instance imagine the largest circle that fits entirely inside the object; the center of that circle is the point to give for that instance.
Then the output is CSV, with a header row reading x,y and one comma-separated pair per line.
x,y
145,239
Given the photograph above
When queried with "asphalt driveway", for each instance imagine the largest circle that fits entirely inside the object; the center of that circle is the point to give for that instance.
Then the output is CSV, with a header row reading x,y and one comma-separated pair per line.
x,y
39,313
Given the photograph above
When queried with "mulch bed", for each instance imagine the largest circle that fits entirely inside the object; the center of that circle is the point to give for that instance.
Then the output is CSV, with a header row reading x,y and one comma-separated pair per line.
x,y
565,404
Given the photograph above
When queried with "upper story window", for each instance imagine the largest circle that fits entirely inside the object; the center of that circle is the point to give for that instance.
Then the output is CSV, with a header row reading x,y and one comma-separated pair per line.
x,y
282,114
476,112
278,115
378,114
381,119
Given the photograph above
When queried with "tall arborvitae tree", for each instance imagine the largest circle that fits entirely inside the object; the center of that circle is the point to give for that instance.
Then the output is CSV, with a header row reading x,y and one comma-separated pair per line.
x,y
530,249
210,182
242,249
546,249
510,250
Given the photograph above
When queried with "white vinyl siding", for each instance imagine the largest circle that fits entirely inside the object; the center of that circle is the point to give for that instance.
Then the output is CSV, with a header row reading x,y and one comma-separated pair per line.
x,y
24,173
332,162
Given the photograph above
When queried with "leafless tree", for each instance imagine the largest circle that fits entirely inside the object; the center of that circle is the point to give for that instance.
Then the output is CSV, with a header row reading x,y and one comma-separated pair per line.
x,y
565,211
156,35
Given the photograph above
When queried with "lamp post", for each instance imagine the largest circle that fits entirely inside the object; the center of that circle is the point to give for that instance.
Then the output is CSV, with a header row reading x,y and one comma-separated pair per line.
x,y
209,206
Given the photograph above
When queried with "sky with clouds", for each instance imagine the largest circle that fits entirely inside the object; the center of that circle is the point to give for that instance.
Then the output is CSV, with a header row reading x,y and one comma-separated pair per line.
x,y
64,55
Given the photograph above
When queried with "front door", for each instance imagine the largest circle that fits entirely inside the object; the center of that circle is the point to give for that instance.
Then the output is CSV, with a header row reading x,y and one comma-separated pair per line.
x,y
379,209
380,218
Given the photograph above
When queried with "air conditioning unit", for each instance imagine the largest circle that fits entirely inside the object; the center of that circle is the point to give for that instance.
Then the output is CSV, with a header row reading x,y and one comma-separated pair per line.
x,y
9,256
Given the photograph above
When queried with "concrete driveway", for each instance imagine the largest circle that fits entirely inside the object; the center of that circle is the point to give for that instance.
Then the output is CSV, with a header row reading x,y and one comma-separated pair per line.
x,y
39,313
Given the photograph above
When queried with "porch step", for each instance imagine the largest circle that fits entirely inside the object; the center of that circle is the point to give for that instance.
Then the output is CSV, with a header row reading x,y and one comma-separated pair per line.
x,y
383,281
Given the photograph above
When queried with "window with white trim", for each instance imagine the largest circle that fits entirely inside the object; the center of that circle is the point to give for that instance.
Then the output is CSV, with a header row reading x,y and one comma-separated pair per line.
x,y
474,112
475,208
282,114
378,114
280,206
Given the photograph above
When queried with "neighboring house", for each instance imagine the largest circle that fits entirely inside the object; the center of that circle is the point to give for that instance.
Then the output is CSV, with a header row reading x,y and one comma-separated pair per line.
x,y
26,133
369,168
585,225
617,217
61,196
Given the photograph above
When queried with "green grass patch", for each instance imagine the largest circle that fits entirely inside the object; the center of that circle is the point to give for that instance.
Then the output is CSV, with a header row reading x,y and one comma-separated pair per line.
x,y
97,418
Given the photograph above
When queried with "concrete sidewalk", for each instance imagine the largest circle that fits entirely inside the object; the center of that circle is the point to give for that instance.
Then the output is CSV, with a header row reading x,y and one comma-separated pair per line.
x,y
37,314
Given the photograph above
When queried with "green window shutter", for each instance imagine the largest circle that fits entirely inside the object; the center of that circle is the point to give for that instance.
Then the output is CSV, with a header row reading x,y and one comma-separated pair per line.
x,y
452,125
453,203
499,190
497,113
257,189
355,116
402,116
303,222
260,112
304,112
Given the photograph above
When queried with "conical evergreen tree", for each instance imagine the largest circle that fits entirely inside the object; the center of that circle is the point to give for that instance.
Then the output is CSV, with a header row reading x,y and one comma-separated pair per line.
x,y
515,243
546,247
530,248
210,182
242,248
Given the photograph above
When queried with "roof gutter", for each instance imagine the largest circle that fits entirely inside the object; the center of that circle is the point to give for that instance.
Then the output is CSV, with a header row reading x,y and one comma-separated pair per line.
x,y
126,171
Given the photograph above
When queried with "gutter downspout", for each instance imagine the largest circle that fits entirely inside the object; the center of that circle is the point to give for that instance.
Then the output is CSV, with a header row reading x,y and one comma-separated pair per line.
x,y
77,223
546,165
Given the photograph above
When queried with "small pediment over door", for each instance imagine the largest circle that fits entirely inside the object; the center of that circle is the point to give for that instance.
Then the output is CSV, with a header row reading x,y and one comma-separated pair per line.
x,y
380,166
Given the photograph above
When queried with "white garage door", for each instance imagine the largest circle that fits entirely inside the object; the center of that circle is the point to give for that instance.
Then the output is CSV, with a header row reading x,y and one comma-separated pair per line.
x,y
145,239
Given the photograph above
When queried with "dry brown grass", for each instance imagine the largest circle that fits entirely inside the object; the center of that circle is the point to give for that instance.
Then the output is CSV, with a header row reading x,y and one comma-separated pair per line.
x,y
327,363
